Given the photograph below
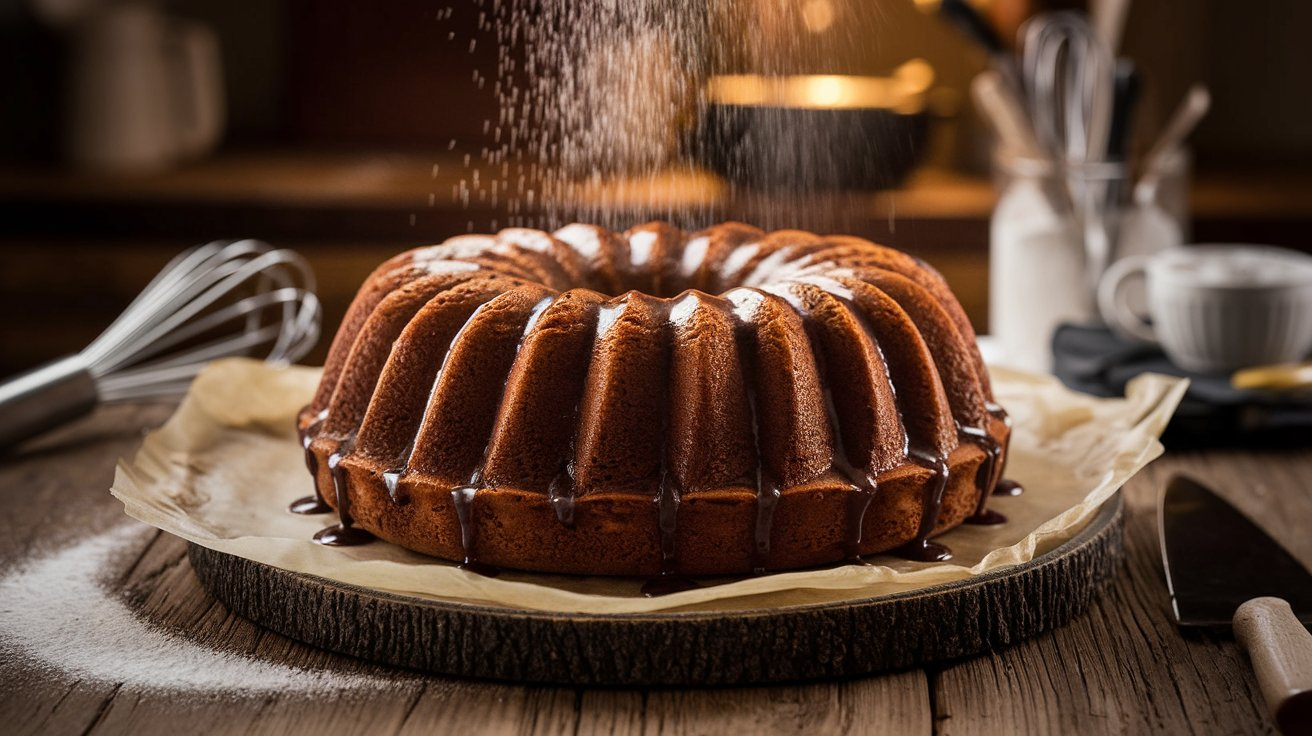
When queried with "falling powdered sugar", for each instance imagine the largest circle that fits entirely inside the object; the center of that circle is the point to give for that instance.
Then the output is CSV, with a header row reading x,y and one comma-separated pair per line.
x,y
56,614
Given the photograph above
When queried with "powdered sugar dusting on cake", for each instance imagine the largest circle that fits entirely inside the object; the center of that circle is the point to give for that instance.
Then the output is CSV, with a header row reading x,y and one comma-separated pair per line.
x,y
534,240
745,302
641,245
437,268
831,285
684,308
607,315
738,258
693,255
768,269
466,246
582,239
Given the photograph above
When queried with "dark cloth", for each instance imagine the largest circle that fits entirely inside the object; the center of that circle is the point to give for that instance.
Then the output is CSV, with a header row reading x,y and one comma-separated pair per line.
x,y
1212,414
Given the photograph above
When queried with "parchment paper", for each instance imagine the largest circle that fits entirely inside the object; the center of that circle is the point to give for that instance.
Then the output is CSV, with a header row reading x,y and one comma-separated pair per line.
x,y
223,469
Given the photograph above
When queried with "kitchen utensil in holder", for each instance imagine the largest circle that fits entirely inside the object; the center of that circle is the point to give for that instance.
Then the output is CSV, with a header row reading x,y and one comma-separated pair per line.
x,y
1066,213
218,300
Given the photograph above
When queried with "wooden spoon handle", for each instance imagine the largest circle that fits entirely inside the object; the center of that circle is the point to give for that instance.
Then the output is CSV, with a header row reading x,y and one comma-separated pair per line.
x,y
1281,650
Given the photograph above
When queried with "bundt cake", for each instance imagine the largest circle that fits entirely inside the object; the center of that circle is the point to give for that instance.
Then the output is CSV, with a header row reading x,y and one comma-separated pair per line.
x,y
652,402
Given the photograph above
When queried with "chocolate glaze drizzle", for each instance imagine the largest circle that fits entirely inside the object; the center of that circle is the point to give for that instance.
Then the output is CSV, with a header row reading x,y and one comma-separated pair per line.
x,y
462,497
667,501
659,585
668,497
988,518
991,472
312,504
561,489
392,480
863,485
1008,487
560,492
984,479
668,493
921,549
1002,486
767,499
308,505
767,488
342,534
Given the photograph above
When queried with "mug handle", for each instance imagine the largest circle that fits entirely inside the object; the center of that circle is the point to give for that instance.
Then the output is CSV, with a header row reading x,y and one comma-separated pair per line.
x,y
1112,303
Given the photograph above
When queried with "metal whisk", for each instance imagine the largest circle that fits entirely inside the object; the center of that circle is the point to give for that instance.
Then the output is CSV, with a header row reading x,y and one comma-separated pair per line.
x,y
217,300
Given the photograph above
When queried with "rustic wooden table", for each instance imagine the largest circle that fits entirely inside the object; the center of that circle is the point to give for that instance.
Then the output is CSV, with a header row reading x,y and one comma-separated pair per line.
x,y
104,629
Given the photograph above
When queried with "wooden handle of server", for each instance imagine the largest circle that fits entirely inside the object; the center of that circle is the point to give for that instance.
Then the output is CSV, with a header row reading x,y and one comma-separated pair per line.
x,y
1281,651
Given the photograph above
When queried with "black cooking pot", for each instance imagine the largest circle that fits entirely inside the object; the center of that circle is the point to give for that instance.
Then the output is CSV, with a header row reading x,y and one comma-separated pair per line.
x,y
781,144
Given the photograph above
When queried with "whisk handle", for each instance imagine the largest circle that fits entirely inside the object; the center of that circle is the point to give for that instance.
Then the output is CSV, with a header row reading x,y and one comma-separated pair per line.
x,y
44,398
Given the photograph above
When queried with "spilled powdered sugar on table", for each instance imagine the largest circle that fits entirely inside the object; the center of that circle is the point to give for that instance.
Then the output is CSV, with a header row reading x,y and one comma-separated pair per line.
x,y
60,616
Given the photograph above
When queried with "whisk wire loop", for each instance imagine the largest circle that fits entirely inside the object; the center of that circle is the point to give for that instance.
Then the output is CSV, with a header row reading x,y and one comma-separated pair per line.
x,y
220,299
157,320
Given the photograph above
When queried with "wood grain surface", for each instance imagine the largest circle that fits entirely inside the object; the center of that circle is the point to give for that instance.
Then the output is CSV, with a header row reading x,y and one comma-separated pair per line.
x,y
1122,667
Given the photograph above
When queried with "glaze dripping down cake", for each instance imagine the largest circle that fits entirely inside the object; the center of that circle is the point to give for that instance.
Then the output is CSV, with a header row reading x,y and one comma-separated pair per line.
x,y
654,401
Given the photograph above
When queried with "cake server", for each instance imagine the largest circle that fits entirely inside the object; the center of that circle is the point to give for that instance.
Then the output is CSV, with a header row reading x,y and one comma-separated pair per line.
x,y
1222,569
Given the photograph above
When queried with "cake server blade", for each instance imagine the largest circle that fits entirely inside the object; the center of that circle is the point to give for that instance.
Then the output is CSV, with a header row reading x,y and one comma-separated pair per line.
x,y
1216,559
1222,568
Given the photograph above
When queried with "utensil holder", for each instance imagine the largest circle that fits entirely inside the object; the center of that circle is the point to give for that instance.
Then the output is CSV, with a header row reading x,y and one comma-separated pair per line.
x,y
1043,266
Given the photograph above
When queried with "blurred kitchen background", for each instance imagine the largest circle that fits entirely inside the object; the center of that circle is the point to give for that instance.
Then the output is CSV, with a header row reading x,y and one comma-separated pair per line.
x,y
350,131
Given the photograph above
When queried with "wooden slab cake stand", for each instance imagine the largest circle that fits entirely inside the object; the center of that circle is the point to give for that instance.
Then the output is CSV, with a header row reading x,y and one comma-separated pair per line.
x,y
804,642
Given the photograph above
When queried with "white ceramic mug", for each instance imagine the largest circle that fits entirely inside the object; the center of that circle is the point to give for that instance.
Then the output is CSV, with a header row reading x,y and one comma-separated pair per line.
x,y
1216,308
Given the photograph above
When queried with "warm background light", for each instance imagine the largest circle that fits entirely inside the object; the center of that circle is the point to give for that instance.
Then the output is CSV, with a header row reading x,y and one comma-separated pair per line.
x,y
818,15
904,91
